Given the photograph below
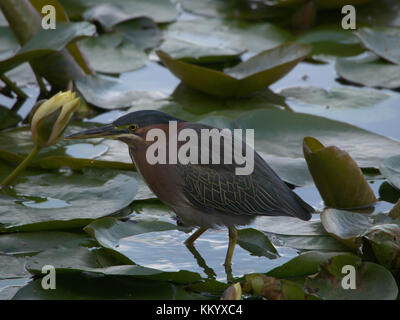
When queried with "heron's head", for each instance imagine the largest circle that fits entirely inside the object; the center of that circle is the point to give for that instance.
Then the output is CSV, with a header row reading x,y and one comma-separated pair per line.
x,y
128,128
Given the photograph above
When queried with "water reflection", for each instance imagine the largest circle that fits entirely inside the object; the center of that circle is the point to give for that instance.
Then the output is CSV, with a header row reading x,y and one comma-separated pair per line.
x,y
166,251
46,203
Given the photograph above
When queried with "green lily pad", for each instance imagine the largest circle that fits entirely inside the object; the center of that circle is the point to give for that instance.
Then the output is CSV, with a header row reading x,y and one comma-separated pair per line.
x,y
373,282
54,201
280,133
17,144
73,287
380,13
349,227
161,11
331,40
384,42
388,193
234,34
190,51
385,243
62,16
245,78
324,243
109,93
193,105
46,42
320,274
107,15
303,265
298,234
232,9
369,72
8,44
78,260
339,180
390,168
35,242
346,226
320,4
335,97
257,243
142,32
108,231
109,54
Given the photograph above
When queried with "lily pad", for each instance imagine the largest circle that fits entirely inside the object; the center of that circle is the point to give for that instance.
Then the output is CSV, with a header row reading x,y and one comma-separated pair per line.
x,y
303,265
280,133
390,168
320,274
108,231
257,243
350,227
162,11
142,32
232,9
46,42
49,201
234,34
320,4
8,43
336,97
339,180
109,54
17,144
298,234
245,78
331,40
110,93
384,42
72,287
190,51
380,13
78,260
275,289
373,282
369,72
385,243
35,242
62,16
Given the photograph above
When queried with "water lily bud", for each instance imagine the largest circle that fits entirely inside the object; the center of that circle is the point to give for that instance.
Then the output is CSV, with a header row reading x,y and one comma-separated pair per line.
x,y
52,117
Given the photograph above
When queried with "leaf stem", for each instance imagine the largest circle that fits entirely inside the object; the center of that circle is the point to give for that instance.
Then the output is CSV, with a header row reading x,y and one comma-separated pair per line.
x,y
21,167
13,86
42,86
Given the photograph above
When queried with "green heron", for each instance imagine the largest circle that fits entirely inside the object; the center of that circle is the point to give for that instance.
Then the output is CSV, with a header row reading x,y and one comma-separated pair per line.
x,y
203,195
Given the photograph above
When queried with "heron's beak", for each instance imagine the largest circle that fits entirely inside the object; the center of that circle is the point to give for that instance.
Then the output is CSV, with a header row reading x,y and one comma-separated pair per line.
x,y
108,131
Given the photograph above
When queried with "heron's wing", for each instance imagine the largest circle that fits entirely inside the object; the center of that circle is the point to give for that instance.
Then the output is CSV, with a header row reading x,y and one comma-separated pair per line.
x,y
211,187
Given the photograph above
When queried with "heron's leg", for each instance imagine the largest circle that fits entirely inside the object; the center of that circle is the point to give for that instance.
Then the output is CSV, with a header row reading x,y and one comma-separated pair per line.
x,y
233,235
195,235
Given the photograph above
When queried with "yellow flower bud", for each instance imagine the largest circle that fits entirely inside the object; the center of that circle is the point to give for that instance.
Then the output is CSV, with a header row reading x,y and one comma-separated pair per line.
x,y
52,117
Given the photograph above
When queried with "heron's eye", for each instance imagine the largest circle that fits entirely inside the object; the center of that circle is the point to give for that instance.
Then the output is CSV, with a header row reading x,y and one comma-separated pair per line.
x,y
133,127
